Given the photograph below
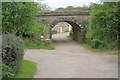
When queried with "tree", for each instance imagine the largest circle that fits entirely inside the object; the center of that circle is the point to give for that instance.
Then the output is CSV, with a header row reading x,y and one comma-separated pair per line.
x,y
70,8
43,8
60,8
19,17
74,8
104,24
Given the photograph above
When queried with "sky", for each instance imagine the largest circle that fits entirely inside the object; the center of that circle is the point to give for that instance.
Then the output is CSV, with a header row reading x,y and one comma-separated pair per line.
x,y
64,3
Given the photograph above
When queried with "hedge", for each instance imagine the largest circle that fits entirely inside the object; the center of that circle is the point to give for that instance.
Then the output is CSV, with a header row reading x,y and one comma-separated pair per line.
x,y
12,54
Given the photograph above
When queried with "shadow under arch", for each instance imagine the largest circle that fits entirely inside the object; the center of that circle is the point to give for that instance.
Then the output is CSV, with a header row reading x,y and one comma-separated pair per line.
x,y
75,27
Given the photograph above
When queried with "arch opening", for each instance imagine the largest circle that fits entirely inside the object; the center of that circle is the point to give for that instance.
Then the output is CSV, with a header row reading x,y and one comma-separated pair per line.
x,y
67,26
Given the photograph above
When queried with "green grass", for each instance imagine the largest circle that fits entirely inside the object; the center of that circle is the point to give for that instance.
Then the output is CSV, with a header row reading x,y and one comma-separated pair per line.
x,y
114,52
27,70
37,44
101,51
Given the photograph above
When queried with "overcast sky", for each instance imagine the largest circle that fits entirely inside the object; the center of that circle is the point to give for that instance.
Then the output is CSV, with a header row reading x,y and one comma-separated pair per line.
x,y
64,3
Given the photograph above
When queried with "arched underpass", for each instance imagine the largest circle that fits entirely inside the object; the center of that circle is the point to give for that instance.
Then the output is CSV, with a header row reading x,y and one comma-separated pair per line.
x,y
74,17
76,29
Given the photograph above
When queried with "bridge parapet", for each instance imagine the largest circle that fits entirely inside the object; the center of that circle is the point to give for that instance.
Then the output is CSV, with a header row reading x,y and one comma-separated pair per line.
x,y
54,17
66,13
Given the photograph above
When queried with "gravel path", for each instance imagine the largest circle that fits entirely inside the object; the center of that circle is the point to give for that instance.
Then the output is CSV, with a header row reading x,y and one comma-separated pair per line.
x,y
70,60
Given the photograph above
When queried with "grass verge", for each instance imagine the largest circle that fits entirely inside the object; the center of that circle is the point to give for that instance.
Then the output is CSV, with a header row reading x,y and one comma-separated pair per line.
x,y
27,70
101,51
37,44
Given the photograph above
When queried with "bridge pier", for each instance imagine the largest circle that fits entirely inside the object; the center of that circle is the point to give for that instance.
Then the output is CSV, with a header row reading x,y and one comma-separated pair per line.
x,y
50,33
76,34
76,31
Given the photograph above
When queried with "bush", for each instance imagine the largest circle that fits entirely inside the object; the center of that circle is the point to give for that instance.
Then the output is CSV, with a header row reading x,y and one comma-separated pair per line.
x,y
20,17
95,43
104,23
83,37
12,54
71,34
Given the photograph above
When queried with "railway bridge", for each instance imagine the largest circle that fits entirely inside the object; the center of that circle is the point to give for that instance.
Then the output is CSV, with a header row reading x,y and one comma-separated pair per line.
x,y
74,17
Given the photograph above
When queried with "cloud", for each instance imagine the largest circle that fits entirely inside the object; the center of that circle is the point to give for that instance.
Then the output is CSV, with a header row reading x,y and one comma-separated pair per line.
x,y
64,3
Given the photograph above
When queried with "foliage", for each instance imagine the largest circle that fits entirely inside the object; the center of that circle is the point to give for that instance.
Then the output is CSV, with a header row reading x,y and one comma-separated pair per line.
x,y
83,37
28,69
43,8
71,34
37,44
46,32
12,54
0,18
74,8
39,29
18,17
104,23
95,43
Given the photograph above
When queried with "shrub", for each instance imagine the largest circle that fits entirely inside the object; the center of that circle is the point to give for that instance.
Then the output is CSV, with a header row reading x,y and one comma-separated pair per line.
x,y
71,34
19,17
83,37
12,54
104,23
95,43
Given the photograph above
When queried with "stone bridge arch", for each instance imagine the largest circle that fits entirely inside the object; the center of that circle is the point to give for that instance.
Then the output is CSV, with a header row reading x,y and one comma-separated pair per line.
x,y
75,27
73,17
